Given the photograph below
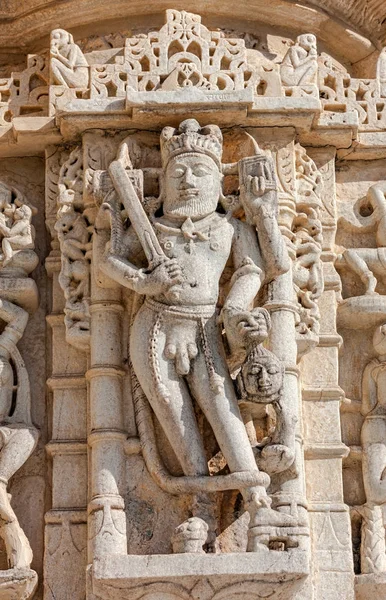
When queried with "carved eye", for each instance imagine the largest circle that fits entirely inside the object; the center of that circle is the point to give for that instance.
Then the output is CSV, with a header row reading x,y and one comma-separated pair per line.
x,y
177,173
201,171
273,371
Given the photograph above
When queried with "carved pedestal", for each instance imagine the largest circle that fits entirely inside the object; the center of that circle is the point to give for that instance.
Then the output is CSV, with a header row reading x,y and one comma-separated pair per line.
x,y
276,575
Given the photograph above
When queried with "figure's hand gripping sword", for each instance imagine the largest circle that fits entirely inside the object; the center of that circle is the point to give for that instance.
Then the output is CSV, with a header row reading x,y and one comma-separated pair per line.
x,y
139,220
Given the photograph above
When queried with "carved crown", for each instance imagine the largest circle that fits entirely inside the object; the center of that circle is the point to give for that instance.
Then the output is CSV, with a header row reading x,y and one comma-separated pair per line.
x,y
191,137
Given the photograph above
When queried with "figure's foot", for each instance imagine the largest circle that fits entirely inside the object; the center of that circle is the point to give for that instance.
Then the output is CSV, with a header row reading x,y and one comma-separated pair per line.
x,y
190,536
267,530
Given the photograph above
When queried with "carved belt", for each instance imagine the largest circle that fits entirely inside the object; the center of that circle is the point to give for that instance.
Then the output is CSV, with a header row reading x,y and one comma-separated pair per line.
x,y
188,312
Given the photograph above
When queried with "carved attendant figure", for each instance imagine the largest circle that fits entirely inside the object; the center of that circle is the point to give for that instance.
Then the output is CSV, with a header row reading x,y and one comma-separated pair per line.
x,y
175,346
299,66
68,64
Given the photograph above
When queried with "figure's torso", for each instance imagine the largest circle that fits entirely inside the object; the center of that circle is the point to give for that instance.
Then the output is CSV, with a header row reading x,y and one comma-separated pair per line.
x,y
202,249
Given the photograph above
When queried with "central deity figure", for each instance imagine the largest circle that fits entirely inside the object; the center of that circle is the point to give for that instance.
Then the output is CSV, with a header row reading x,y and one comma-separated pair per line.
x,y
176,343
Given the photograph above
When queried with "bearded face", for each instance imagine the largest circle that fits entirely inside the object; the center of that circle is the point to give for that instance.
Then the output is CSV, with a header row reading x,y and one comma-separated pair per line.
x,y
192,186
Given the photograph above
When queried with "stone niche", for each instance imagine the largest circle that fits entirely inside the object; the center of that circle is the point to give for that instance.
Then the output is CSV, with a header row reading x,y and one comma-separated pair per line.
x,y
202,292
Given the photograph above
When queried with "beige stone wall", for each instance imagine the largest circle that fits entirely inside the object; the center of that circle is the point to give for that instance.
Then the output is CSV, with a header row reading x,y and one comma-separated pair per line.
x,y
285,106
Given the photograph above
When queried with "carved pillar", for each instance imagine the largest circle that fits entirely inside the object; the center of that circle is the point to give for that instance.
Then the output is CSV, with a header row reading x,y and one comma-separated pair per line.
x,y
107,523
322,396
66,521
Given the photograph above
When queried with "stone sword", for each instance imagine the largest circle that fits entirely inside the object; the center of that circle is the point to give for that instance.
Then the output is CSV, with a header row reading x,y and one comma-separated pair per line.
x,y
140,221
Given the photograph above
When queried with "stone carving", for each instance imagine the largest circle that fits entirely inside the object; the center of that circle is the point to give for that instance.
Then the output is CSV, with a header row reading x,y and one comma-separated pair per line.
x,y
369,214
363,98
16,233
381,73
183,54
373,555
300,65
261,383
18,434
25,93
68,65
174,337
74,235
307,242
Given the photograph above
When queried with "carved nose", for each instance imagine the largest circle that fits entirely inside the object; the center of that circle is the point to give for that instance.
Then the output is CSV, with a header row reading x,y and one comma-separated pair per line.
x,y
188,180
263,379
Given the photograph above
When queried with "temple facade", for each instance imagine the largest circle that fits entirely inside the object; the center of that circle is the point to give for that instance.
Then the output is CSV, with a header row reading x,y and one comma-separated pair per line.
x,y
192,300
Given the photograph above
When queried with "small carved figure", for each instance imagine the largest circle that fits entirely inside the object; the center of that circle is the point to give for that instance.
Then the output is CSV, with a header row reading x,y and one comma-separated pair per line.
x,y
175,345
299,66
368,263
74,239
68,64
373,438
261,381
308,270
19,235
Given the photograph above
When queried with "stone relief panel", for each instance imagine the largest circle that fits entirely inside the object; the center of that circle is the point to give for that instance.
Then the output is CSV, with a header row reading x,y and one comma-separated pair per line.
x,y
74,234
173,244
195,322
19,436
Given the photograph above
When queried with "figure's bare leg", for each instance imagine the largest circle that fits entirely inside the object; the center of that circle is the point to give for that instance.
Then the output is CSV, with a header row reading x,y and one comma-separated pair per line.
x,y
174,410
223,414
360,267
306,72
75,77
7,251
374,471
18,549
14,453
